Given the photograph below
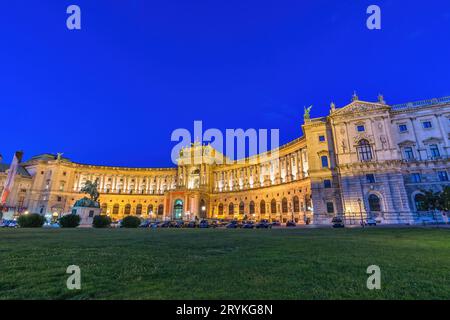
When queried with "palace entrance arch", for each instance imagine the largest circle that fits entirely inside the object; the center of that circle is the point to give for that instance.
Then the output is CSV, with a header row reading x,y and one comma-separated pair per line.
x,y
178,208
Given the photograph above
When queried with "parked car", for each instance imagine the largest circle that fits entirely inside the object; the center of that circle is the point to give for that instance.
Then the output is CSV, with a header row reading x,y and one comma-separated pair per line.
x,y
370,222
154,225
276,224
51,225
145,224
214,224
165,224
191,224
338,222
232,225
248,225
263,224
175,224
9,224
203,224
291,223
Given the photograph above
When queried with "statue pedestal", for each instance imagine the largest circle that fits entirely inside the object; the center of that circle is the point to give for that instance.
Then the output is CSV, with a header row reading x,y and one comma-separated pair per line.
x,y
86,214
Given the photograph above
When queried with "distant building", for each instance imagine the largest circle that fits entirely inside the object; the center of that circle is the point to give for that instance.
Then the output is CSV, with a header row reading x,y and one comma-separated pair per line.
x,y
367,158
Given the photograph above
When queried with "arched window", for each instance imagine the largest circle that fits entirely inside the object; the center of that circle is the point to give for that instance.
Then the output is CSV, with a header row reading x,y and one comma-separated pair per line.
x,y
241,207
273,206
116,209
160,210
231,208
284,205
104,208
324,160
419,200
150,209
252,207
262,207
364,150
296,204
127,209
220,209
139,209
374,203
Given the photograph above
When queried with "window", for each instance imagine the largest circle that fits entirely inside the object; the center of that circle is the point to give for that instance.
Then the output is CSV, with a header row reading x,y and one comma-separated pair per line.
x,y
160,209
220,209
370,178
231,208
262,207
443,176
324,161
273,206
116,209
434,150
252,207
364,150
416,177
59,199
330,207
296,204
284,205
360,128
402,128
139,209
241,208
427,124
374,203
321,138
127,209
409,154
327,184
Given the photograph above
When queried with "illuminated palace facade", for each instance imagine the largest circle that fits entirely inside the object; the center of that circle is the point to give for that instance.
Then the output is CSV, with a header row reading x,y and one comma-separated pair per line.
x,y
366,159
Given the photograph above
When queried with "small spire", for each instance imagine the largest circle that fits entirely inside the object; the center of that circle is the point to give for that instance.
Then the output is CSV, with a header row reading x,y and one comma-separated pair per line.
x,y
381,99
333,106
355,96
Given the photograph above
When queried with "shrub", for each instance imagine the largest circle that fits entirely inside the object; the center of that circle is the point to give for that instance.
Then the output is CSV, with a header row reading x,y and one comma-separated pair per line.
x,y
70,221
101,222
131,222
32,220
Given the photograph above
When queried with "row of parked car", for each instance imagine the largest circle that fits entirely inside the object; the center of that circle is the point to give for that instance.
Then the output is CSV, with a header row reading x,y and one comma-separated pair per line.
x,y
9,224
338,222
263,224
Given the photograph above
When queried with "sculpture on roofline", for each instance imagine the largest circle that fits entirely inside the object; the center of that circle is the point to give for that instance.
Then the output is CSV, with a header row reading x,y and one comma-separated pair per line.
x,y
307,114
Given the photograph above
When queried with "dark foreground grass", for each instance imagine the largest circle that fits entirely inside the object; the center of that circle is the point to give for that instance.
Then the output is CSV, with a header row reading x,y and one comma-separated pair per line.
x,y
225,264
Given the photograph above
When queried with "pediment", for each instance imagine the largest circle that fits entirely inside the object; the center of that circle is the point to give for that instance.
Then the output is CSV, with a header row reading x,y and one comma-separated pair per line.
x,y
359,107
407,143
432,140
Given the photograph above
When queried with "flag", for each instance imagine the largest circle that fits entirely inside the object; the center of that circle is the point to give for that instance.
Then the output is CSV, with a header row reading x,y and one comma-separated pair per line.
x,y
9,182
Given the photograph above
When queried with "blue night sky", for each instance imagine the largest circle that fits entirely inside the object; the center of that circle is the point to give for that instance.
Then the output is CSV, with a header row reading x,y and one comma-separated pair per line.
x,y
113,92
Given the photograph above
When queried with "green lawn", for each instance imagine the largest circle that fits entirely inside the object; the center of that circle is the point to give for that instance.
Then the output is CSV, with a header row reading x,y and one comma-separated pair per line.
x,y
225,264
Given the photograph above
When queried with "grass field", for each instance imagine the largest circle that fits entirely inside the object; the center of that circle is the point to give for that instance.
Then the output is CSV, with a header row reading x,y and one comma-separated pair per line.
x,y
225,264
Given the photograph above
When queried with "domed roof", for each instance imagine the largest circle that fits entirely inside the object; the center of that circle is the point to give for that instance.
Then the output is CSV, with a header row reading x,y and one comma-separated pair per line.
x,y
86,203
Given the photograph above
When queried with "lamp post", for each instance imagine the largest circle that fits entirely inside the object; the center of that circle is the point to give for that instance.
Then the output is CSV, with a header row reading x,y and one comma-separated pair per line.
x,y
360,212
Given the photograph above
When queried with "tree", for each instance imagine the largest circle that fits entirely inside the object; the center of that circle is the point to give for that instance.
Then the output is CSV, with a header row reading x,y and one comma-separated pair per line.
x,y
445,199
431,200
437,200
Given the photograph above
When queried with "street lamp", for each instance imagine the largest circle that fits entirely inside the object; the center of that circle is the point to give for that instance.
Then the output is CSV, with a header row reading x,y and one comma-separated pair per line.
x,y
360,212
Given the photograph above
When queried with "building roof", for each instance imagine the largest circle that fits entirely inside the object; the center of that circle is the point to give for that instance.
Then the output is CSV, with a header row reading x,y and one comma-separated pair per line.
x,y
422,103
21,171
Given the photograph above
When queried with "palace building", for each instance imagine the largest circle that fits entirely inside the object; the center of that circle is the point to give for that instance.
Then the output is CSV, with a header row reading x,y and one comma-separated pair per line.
x,y
366,159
